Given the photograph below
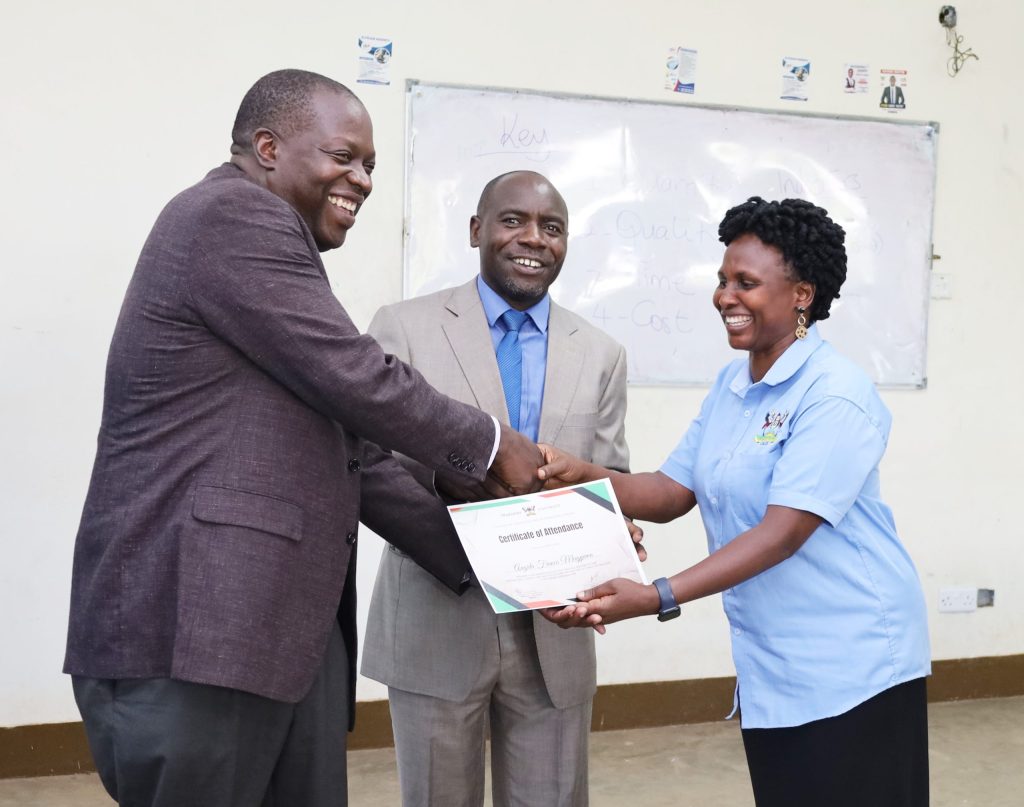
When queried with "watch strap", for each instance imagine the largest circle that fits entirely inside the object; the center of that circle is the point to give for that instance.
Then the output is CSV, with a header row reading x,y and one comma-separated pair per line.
x,y
668,608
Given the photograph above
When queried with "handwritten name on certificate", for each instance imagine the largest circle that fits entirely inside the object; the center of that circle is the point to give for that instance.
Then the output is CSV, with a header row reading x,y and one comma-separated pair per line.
x,y
540,550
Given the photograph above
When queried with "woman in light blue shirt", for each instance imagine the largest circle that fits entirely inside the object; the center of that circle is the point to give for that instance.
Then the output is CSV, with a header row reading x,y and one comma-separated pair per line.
x,y
827,616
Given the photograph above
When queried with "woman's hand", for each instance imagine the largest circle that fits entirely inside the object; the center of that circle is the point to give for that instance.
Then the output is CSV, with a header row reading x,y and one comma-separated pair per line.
x,y
561,468
619,599
573,616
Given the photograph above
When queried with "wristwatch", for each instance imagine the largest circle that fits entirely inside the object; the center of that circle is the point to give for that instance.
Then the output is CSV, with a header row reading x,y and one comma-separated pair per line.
x,y
669,608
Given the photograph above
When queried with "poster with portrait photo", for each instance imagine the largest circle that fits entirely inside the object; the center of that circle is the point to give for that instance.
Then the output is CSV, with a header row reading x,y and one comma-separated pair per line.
x,y
375,60
681,70
796,75
893,89
856,78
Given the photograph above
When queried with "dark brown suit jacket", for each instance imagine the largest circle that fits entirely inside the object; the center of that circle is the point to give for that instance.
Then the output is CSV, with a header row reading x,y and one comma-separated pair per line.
x,y
237,454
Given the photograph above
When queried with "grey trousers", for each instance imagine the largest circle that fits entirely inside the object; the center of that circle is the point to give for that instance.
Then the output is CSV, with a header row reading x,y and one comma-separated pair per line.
x,y
538,752
158,742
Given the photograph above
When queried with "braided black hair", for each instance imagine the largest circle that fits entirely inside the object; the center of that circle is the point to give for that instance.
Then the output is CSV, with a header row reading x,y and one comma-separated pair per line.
x,y
810,242
281,101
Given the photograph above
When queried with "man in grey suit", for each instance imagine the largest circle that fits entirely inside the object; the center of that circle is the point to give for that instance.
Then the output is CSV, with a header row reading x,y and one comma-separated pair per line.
x,y
212,636
451,664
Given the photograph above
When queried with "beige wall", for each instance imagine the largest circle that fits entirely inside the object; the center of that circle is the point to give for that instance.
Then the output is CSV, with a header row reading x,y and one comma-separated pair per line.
x,y
109,109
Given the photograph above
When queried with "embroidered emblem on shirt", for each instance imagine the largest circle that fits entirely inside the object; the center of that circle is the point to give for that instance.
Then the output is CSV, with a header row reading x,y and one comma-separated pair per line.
x,y
773,421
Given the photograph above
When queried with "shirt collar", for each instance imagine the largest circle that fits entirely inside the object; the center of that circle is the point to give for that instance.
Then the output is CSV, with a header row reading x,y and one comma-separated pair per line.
x,y
785,366
494,306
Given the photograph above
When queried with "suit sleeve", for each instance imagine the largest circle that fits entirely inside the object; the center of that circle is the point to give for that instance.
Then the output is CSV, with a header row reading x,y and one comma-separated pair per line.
x,y
610,449
412,518
258,284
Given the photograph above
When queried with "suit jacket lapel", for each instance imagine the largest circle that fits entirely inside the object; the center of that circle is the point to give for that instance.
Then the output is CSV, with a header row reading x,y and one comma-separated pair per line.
x,y
467,332
564,366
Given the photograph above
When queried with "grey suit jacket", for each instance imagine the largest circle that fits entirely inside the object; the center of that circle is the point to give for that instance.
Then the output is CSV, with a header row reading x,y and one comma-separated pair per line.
x,y
420,637
233,462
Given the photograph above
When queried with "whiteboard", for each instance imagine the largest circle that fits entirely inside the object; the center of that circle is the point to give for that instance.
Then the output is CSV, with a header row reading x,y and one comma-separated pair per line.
x,y
647,184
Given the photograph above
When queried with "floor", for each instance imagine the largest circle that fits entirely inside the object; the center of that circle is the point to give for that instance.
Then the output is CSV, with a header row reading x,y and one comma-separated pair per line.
x,y
976,750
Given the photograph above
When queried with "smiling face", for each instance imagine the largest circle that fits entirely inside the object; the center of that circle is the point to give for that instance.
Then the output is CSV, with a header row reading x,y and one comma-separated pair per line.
x,y
521,230
323,170
757,296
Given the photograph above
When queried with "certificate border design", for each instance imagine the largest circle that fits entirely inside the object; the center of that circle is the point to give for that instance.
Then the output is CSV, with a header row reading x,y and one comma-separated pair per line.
x,y
598,492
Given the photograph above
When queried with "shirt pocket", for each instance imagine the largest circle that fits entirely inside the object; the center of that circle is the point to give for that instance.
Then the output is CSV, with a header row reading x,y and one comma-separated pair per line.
x,y
242,508
746,483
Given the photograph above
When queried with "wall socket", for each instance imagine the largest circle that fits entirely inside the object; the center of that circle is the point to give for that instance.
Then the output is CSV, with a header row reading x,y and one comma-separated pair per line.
x,y
962,599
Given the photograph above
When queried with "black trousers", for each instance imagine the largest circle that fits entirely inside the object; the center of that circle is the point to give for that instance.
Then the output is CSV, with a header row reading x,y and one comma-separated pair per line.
x,y
164,743
875,755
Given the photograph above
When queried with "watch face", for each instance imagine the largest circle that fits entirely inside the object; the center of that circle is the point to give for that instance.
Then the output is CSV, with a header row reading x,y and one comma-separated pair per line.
x,y
671,613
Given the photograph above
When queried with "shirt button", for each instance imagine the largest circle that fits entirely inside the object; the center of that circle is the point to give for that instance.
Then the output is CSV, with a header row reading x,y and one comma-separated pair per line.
x,y
746,413
737,631
353,465
714,500
350,538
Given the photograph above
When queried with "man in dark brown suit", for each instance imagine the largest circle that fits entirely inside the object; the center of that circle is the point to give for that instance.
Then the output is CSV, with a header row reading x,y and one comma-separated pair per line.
x,y
212,638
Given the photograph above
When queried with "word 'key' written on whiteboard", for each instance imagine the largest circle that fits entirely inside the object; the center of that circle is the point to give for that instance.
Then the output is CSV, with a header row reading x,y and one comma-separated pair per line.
x,y
647,184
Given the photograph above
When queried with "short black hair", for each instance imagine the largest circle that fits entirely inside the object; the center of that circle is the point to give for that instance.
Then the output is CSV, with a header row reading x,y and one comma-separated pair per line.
x,y
280,101
810,242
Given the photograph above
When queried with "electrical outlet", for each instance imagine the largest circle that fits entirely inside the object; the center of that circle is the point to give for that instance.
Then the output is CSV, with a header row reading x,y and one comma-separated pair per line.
x,y
957,599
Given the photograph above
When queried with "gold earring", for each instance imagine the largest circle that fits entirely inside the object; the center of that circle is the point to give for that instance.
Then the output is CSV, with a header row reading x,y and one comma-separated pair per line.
x,y
801,324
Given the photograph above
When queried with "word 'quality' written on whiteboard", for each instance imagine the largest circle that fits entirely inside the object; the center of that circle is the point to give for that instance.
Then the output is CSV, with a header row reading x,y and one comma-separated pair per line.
x,y
647,184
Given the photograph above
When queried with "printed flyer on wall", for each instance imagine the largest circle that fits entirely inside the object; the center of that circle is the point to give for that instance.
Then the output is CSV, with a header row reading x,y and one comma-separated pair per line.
x,y
894,89
681,70
796,74
856,78
375,60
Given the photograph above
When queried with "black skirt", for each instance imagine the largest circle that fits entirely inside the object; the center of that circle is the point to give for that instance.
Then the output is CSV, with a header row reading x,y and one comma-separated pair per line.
x,y
875,755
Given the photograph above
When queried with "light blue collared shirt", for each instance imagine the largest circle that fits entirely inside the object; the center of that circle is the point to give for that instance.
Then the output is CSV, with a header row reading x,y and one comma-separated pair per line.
x,y
844,618
533,337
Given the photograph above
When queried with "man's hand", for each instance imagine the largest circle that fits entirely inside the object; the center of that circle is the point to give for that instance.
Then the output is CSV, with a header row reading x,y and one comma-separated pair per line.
x,y
514,470
637,535
455,489
619,599
561,468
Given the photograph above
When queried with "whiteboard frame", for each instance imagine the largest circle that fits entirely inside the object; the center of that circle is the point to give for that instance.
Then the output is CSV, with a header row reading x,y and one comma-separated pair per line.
x,y
411,84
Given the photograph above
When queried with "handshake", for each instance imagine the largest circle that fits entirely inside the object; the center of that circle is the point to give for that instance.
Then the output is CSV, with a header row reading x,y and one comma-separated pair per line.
x,y
519,467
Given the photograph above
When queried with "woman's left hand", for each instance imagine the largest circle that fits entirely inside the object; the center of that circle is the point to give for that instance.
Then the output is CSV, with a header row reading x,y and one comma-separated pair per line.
x,y
620,599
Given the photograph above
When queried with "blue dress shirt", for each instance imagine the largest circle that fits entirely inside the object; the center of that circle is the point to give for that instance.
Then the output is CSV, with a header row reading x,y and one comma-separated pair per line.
x,y
843,618
533,337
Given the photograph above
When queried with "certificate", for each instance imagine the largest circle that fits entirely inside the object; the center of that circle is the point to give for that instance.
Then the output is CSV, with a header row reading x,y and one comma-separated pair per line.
x,y
539,551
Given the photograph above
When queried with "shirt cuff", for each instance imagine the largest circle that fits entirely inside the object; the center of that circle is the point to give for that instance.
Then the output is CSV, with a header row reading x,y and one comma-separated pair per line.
x,y
497,441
